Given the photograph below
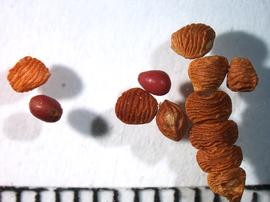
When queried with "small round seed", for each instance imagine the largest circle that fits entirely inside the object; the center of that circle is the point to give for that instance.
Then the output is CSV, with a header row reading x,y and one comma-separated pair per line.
x,y
156,82
45,108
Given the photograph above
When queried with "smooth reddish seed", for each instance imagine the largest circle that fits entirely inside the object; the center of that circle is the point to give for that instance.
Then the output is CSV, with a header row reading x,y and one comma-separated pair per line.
x,y
45,108
156,82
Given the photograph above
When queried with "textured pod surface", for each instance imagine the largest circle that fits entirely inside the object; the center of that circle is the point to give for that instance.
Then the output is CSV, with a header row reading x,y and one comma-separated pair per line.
x,y
229,183
171,120
208,107
45,108
193,41
218,159
27,74
136,106
156,82
208,73
207,135
242,76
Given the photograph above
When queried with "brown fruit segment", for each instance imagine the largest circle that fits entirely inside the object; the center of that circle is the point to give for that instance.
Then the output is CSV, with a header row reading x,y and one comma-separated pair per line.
x,y
208,73
27,74
136,106
207,135
242,76
218,159
171,120
193,41
229,183
208,107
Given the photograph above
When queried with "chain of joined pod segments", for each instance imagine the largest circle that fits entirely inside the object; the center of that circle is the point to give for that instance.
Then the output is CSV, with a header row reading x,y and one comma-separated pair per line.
x,y
214,137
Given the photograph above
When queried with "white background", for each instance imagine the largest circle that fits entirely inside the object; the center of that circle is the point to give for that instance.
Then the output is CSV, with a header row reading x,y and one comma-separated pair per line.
x,y
95,50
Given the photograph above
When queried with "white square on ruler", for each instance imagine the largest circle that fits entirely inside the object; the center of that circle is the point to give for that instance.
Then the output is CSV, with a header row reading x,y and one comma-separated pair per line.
x,y
8,196
47,196
105,195
167,195
86,196
146,195
28,196
126,195
67,196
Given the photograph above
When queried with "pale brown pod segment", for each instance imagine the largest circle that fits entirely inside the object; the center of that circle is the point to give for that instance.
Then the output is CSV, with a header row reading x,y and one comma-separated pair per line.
x,y
27,74
136,106
193,41
208,107
229,183
208,73
242,76
218,159
207,135
171,120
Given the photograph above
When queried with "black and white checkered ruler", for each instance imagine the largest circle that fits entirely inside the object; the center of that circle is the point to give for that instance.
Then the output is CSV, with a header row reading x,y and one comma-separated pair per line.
x,y
260,193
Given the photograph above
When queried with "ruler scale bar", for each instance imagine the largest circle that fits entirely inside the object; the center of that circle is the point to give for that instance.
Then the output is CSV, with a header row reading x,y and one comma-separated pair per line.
x,y
259,193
